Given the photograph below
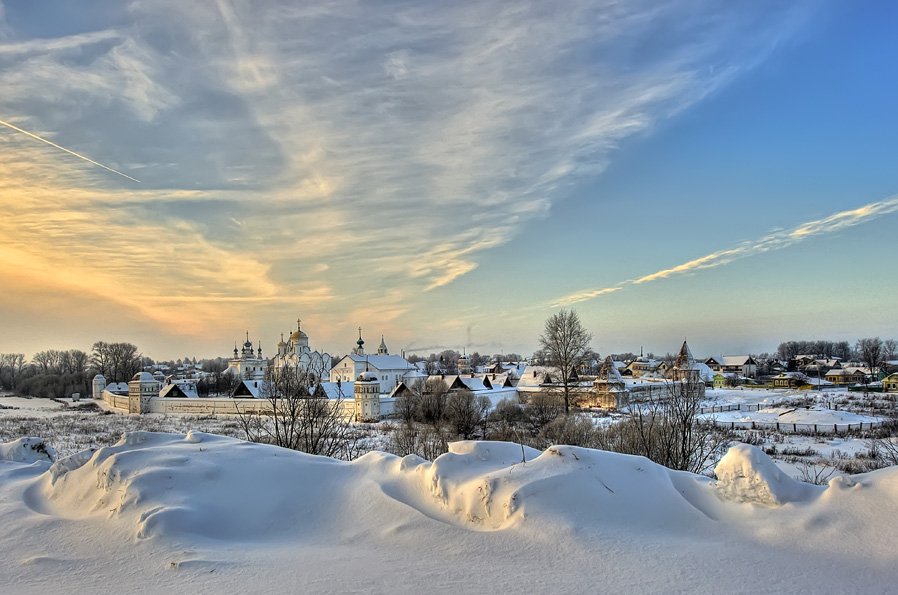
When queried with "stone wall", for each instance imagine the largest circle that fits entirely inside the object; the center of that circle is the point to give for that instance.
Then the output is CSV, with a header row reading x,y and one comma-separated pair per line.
x,y
222,406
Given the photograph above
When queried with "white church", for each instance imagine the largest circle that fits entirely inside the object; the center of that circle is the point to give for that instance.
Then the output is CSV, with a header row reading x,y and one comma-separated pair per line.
x,y
249,363
389,370
295,353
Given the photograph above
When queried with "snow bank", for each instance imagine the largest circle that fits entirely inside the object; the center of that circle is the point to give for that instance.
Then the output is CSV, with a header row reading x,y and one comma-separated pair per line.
x,y
26,450
198,484
489,486
166,513
746,474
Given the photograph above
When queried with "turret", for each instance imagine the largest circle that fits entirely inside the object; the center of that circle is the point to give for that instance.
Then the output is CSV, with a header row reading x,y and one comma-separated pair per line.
x,y
367,397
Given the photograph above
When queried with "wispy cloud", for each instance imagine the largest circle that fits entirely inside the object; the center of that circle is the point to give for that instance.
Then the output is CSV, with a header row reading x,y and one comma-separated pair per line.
x,y
774,241
397,142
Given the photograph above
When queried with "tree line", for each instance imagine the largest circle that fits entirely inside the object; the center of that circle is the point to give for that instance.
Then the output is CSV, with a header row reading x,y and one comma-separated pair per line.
x,y
58,373
872,351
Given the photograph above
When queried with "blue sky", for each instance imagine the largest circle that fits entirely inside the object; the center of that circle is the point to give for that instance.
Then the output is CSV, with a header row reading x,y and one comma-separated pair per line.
x,y
447,175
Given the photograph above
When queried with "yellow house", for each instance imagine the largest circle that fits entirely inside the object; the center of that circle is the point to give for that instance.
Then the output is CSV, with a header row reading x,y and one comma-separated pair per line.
x,y
786,380
890,383
845,376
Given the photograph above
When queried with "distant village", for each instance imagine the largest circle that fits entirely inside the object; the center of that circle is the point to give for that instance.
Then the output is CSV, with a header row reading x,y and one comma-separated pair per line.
x,y
368,381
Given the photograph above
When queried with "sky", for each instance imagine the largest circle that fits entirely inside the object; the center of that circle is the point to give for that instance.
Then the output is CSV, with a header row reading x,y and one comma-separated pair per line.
x,y
446,175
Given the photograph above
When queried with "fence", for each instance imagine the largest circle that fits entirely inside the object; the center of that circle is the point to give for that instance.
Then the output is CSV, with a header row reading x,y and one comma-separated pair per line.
x,y
740,407
797,428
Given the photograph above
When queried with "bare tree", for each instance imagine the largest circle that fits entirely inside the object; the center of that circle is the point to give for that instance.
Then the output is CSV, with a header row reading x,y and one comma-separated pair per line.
x,y
101,359
301,421
668,431
466,413
118,362
889,350
11,367
405,409
566,345
432,402
125,361
870,351
541,409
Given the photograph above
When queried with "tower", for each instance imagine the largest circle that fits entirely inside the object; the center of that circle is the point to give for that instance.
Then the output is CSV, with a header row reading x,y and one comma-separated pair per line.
x,y
141,389
464,364
367,397
360,345
611,392
382,350
686,372
99,385
282,347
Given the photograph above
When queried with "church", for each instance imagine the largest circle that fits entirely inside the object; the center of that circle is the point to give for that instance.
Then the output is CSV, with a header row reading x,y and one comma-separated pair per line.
x,y
249,363
296,354
389,370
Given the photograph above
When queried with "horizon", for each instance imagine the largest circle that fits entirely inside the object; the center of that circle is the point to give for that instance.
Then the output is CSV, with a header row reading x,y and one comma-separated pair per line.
x,y
448,176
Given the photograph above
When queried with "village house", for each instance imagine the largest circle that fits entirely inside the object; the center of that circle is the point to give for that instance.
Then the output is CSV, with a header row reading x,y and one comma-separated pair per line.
x,y
846,376
789,380
744,365
890,383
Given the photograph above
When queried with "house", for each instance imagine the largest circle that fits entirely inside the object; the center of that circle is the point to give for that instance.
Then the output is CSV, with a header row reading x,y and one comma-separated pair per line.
x,y
249,389
642,366
846,376
186,390
721,380
789,380
744,365
890,383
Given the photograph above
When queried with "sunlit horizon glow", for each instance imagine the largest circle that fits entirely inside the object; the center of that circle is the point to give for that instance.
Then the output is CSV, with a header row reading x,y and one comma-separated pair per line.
x,y
441,174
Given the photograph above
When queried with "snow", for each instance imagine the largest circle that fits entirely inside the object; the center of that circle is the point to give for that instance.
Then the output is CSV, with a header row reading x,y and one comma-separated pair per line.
x,y
813,415
199,513
746,474
34,407
26,450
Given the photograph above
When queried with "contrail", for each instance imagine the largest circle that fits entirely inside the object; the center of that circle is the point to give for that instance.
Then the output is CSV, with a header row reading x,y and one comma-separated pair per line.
x,y
774,241
52,144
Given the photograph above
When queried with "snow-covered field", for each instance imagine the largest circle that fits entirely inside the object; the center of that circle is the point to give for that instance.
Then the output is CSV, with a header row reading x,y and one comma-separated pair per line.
x,y
187,511
163,513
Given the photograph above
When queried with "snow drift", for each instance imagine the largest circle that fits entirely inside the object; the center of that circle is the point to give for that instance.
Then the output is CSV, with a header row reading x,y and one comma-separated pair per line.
x,y
485,516
26,450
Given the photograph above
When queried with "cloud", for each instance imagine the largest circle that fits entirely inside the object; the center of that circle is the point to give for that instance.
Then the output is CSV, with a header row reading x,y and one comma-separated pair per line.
x,y
395,142
777,240
582,296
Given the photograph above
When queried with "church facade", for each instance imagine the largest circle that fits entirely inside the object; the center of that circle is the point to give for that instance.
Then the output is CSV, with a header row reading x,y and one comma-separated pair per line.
x,y
389,370
248,363
296,354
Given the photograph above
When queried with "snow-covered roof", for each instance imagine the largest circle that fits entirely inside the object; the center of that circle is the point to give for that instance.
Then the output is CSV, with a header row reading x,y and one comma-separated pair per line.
x,y
382,362
251,387
609,373
705,371
733,360
185,390
475,384
118,387
533,376
338,390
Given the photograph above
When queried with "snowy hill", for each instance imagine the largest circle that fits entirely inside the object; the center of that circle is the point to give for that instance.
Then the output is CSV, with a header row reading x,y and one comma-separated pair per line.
x,y
207,514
